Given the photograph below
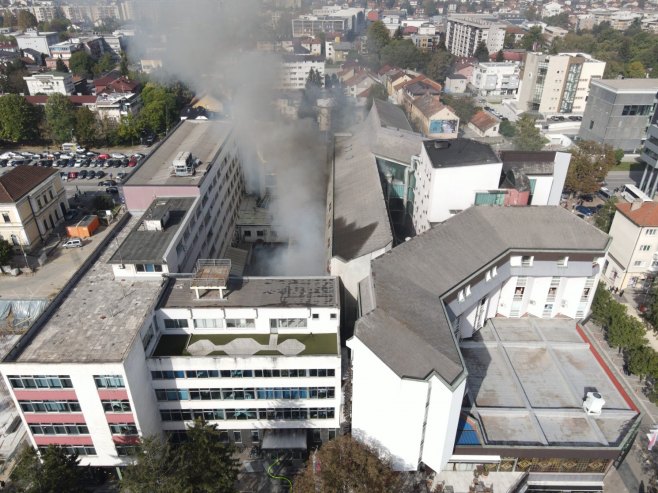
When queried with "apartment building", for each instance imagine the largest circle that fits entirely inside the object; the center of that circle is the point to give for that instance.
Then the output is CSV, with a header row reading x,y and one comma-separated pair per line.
x,y
117,105
552,84
649,155
341,21
32,203
295,69
461,329
36,40
50,83
465,32
496,78
633,255
199,159
619,111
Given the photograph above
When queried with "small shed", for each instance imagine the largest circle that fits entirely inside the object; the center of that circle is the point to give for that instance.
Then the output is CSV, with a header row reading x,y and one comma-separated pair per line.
x,y
84,228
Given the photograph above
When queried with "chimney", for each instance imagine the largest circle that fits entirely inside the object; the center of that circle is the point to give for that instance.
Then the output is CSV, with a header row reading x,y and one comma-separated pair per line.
x,y
636,204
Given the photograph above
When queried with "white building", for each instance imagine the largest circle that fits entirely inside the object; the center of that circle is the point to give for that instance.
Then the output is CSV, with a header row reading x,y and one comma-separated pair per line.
x,y
550,9
465,32
443,371
553,84
633,255
35,40
50,83
496,78
116,105
295,70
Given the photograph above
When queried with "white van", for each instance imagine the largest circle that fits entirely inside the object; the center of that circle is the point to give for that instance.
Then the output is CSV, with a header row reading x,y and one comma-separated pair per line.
x,y
69,147
604,193
72,243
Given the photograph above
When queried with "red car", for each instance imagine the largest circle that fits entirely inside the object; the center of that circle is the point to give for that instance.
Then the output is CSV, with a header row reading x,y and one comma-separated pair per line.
x,y
73,175
103,157
132,163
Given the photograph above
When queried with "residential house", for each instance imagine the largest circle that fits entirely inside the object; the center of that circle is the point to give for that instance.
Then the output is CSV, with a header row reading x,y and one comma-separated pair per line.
x,y
50,83
114,106
484,124
456,84
434,119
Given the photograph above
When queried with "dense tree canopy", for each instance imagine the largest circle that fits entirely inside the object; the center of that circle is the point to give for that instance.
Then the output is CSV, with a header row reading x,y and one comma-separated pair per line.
x,y
57,471
527,136
81,63
482,52
26,19
377,38
603,217
590,163
60,118
86,126
18,119
464,107
440,65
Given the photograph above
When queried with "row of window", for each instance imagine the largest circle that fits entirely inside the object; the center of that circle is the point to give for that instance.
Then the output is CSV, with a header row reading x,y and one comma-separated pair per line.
x,y
304,372
40,381
50,406
240,323
127,450
116,406
109,381
244,394
59,429
75,449
123,429
246,414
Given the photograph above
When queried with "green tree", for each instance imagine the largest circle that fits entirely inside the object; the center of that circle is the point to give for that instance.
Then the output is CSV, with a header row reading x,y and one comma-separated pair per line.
x,y
60,118
507,129
399,33
590,163
314,79
123,64
624,331
129,130
440,65
636,70
6,252
528,137
533,39
377,38
430,8
8,19
500,56
55,472
464,107
105,64
86,126
601,304
81,63
510,41
60,66
377,91
403,53
26,19
619,156
206,463
560,20
482,52
155,469
346,464
604,216
652,313
642,361
19,120
11,79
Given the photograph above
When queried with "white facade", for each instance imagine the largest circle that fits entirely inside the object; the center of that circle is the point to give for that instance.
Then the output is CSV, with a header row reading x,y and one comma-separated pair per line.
x,y
551,9
50,83
294,71
465,32
35,40
115,106
496,78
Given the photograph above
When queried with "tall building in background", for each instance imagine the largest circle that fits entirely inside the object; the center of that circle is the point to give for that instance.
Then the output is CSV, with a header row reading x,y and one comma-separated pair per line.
x,y
553,84
465,32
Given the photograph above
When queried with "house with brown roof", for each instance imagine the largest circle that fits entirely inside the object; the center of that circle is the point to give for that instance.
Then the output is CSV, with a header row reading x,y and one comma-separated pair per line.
x,y
32,203
115,82
433,118
632,259
484,124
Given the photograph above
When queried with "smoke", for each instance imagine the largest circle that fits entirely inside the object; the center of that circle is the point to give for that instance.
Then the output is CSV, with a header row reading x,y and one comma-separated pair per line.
x,y
210,45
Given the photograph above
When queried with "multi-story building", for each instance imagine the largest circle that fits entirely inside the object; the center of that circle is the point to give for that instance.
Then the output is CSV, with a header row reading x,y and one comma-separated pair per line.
x,y
114,106
496,78
553,84
32,204
44,12
339,21
199,159
35,40
50,83
633,255
465,32
65,49
649,155
295,69
463,327
619,111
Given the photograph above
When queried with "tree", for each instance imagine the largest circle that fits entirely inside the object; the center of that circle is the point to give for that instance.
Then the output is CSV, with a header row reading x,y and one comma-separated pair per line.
x,y
464,107
619,156
398,34
601,305
81,63
18,119
528,137
26,20
507,129
60,66
155,469
624,331
86,127
56,471
652,313
347,465
377,91
60,118
533,39
403,53
161,107
6,252
603,217
129,130
510,41
590,163
430,8
11,80
377,38
500,56
314,79
105,64
560,20
642,361
636,70
123,64
482,52
440,65
206,463
8,19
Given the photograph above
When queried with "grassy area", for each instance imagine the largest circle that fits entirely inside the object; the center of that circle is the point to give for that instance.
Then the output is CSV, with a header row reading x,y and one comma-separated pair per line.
x,y
628,166
176,345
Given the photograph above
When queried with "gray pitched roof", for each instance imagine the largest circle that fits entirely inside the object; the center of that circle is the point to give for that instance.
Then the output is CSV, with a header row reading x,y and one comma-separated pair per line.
x,y
390,115
408,328
390,133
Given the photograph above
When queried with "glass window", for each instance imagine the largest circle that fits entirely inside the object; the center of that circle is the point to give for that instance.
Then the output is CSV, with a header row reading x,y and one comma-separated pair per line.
x,y
175,323
240,323
109,381
208,323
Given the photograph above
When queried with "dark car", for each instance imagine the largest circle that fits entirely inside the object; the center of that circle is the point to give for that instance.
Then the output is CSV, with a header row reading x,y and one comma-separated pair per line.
x,y
112,190
121,176
107,183
586,211
100,174
3,163
46,163
71,214
91,174
82,174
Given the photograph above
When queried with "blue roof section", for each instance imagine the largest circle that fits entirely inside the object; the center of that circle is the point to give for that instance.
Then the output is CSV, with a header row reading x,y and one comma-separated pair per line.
x,y
466,434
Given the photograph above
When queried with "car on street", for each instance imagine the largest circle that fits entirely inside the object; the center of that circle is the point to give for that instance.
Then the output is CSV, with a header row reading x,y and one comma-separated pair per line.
x,y
72,243
103,157
585,211
83,174
107,183
91,174
137,156
73,175
100,174
117,155
112,190
71,214
132,163
122,176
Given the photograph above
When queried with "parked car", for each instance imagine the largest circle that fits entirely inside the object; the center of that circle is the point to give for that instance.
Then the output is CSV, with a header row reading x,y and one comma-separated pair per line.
x,y
71,214
107,183
83,174
3,163
137,156
64,176
132,163
117,155
122,176
46,163
73,175
585,211
103,157
91,174
113,190
100,174
72,243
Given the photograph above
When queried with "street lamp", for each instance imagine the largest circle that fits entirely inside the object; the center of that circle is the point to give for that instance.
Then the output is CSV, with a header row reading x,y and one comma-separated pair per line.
x,y
71,135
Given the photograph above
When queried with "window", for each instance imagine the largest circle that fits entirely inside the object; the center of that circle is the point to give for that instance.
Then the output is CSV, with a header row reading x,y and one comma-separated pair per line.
x,y
109,381
148,268
247,233
645,248
126,450
563,262
591,124
240,323
237,436
123,429
59,429
40,382
5,217
116,406
638,263
332,316
526,261
287,323
208,323
50,406
315,316
175,323
75,449
650,232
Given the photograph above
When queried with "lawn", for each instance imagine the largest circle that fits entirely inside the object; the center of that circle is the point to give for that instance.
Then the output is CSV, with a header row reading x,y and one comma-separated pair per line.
x,y
628,166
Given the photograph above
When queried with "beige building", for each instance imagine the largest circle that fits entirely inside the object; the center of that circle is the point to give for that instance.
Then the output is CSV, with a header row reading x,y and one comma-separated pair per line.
x,y
553,84
434,119
633,254
32,203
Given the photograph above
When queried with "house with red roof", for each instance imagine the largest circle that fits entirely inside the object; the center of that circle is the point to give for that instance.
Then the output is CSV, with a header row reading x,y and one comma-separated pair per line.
x,y
484,124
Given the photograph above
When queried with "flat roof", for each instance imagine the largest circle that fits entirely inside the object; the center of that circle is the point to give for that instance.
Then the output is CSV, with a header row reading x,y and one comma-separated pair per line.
x,y
628,85
203,138
459,152
143,246
98,320
528,379
252,292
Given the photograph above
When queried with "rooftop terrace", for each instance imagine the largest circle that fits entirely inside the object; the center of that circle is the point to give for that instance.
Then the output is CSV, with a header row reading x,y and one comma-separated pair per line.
x,y
528,379
202,138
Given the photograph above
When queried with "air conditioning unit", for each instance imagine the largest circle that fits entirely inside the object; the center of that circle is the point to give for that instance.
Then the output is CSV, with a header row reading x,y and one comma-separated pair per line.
x,y
593,403
563,303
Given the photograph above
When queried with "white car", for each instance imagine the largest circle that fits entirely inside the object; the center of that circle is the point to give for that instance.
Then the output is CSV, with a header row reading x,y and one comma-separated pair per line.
x,y
65,156
8,155
117,155
72,243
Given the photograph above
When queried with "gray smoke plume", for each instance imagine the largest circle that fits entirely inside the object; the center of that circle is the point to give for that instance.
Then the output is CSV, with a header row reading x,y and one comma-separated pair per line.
x,y
210,46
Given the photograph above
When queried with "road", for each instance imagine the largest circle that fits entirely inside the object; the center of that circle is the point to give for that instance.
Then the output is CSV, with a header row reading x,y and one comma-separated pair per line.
x,y
618,178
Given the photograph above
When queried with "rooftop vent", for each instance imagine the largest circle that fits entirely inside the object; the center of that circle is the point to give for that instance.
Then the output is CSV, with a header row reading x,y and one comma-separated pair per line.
x,y
441,144
593,403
